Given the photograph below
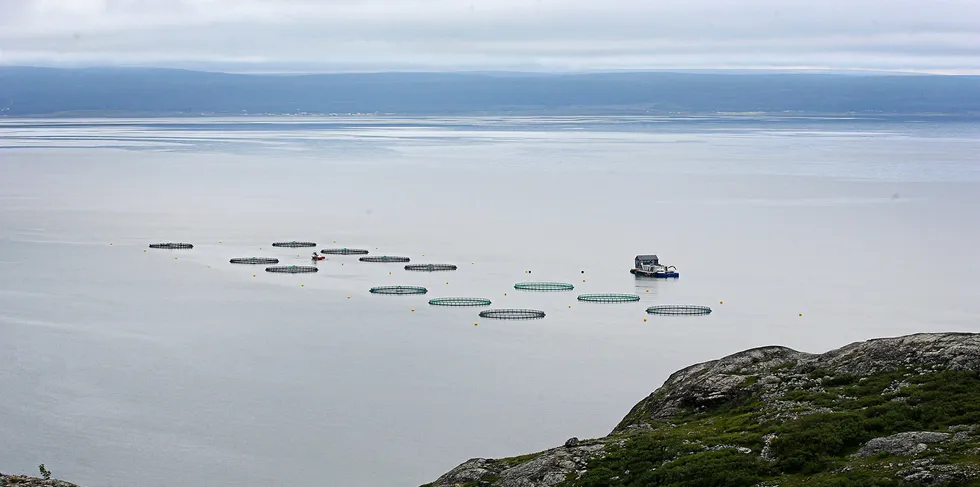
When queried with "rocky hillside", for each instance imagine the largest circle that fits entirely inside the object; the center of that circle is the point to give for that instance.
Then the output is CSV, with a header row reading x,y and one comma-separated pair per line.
x,y
887,412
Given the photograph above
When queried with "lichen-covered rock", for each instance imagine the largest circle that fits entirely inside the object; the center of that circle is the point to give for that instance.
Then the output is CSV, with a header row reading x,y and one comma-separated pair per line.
x,y
550,468
473,470
25,481
902,444
546,469
707,383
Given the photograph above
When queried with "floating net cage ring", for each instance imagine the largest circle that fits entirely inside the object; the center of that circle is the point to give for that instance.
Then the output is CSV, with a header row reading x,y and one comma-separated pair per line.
x,y
172,246
430,267
543,286
679,309
609,298
459,302
399,290
512,314
294,244
254,260
344,251
385,258
292,269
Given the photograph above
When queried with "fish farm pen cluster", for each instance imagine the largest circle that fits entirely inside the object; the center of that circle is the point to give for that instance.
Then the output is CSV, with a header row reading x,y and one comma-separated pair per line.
x,y
646,266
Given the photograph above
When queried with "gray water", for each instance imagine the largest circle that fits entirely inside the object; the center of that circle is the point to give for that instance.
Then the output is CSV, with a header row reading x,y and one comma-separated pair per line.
x,y
121,367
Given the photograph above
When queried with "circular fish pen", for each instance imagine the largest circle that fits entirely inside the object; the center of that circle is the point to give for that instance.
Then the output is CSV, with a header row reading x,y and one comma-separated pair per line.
x,y
399,290
292,269
344,251
608,298
254,260
172,246
385,258
543,286
294,244
430,267
459,302
512,314
679,309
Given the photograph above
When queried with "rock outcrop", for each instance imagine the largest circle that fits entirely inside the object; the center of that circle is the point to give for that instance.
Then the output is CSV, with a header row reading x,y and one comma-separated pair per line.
x,y
25,481
901,444
719,381
867,398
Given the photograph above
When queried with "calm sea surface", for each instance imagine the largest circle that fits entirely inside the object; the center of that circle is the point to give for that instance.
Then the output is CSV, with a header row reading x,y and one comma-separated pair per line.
x,y
125,367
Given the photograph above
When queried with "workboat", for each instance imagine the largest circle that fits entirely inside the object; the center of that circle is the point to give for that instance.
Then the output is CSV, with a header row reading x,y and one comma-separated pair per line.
x,y
650,266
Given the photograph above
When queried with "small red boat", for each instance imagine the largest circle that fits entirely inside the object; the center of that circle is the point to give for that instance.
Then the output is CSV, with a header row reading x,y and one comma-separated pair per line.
x,y
319,257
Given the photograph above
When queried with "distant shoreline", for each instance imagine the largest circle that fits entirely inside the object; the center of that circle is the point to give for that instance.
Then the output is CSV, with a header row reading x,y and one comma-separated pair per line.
x,y
530,114
129,92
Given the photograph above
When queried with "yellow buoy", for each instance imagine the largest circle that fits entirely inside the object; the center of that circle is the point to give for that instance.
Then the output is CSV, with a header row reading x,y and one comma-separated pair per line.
x,y
413,310
253,275
721,302
334,241
144,250
801,314
348,297
644,319
475,324
583,280
647,290
569,306
209,267
447,283
471,263
301,285
219,241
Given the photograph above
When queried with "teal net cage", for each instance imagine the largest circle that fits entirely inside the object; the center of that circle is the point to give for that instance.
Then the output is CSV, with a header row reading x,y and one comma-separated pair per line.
x,y
459,301
679,309
294,244
512,314
608,298
543,286
399,290
385,259
292,269
172,246
344,251
254,260
430,267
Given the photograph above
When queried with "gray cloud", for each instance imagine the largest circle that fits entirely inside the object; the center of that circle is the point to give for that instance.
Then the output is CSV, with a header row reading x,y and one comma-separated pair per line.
x,y
939,35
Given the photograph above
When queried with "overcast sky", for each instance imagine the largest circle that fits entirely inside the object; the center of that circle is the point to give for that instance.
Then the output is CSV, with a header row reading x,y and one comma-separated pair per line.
x,y
370,35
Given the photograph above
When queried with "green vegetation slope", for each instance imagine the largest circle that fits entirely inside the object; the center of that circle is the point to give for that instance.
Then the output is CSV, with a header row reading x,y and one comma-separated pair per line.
x,y
886,412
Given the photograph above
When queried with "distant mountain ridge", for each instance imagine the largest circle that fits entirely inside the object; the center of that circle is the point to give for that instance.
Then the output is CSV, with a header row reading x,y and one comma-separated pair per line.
x,y
31,91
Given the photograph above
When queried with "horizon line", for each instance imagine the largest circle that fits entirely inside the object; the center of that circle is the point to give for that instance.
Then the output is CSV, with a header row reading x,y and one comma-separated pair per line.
x,y
798,70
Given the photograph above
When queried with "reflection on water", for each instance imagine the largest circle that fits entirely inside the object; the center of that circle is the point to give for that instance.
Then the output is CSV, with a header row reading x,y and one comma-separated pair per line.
x,y
125,367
